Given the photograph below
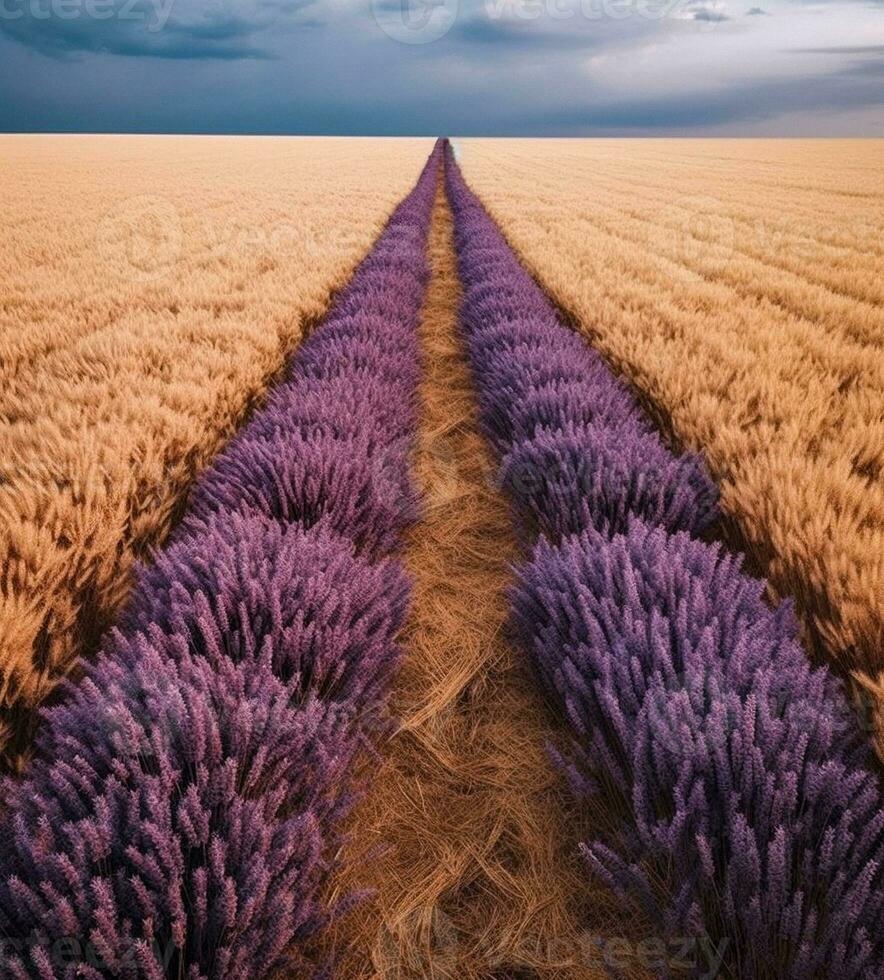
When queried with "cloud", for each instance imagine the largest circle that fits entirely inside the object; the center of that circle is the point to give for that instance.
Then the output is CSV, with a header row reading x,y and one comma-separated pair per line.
x,y
245,66
524,31
709,16
706,13
169,29
757,12
860,49
521,35
696,110
867,59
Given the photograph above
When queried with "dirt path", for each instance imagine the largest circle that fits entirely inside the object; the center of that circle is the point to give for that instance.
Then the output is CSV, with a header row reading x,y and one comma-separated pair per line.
x,y
480,878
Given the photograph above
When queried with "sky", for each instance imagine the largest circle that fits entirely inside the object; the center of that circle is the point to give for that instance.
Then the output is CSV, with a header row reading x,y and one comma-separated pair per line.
x,y
444,67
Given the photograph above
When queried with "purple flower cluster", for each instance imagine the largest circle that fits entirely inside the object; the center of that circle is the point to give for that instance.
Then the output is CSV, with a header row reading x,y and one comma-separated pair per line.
x,y
183,809
741,807
577,451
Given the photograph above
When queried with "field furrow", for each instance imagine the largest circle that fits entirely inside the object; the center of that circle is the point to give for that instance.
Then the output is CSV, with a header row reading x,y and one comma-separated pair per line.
x,y
478,872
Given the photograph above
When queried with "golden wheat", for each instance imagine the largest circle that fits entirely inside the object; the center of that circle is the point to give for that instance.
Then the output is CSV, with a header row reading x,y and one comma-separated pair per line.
x,y
149,287
739,285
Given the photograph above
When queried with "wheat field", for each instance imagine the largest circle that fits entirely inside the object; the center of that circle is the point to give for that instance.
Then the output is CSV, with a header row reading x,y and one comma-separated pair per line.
x,y
538,766
739,286
150,287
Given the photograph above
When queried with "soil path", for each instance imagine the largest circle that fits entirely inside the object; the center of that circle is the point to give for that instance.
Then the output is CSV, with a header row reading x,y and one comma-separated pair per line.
x,y
480,877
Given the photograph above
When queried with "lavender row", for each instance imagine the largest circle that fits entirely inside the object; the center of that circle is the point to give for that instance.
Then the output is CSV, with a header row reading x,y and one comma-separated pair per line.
x,y
183,810
576,449
742,809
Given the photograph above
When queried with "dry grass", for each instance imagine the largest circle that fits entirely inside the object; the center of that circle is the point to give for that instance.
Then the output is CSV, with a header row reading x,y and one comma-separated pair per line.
x,y
739,284
480,877
149,288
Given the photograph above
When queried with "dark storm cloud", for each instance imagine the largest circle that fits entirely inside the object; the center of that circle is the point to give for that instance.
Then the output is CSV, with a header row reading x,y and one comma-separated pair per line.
x,y
510,36
169,29
287,66
842,90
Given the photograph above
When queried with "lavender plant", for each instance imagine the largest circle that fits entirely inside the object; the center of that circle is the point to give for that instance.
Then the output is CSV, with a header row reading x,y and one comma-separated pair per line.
x,y
182,811
575,476
361,487
741,807
246,586
578,451
747,810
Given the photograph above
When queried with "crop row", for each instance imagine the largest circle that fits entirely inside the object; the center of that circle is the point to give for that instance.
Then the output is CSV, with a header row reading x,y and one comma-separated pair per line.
x,y
183,809
742,809
151,290
739,286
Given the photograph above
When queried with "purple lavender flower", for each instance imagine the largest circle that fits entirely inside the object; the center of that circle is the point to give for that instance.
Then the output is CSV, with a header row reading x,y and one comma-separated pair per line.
x,y
567,479
743,800
241,585
196,773
743,809
577,448
181,814
361,488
